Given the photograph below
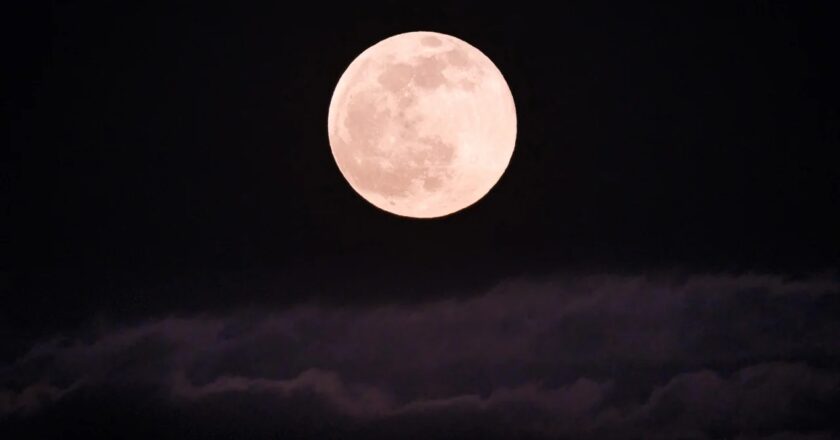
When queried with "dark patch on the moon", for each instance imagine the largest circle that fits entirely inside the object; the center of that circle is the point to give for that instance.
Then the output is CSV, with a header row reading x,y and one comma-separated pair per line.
x,y
429,72
458,58
435,159
467,84
365,121
432,183
430,41
461,59
406,100
395,77
439,152
407,124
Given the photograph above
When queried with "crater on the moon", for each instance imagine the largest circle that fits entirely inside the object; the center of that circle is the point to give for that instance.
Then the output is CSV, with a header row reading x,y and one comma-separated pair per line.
x,y
412,124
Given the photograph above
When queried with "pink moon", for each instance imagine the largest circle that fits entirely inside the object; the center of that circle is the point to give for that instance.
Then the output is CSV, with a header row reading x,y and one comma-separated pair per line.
x,y
422,124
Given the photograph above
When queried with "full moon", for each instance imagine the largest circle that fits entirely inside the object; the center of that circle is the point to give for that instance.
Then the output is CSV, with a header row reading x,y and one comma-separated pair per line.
x,y
422,124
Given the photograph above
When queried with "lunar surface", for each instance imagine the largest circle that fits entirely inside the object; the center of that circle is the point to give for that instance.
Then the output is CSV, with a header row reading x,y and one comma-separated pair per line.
x,y
422,124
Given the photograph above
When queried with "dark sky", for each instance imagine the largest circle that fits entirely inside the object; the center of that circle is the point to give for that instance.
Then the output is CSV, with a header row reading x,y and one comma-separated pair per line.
x,y
658,260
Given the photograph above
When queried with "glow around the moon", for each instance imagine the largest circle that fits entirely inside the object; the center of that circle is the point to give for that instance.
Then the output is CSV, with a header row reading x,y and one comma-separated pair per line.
x,y
422,124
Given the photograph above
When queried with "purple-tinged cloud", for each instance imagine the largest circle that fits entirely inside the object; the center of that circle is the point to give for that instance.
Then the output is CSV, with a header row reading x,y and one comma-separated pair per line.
x,y
591,357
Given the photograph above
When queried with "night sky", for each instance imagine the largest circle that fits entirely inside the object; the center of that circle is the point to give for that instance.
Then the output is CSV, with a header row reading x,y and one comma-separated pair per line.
x,y
183,259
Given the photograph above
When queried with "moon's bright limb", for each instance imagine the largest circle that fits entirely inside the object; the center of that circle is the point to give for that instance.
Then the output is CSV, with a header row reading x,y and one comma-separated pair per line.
x,y
422,124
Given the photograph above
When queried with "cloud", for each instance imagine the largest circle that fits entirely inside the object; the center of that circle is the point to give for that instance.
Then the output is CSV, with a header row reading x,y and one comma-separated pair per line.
x,y
589,357
762,397
30,397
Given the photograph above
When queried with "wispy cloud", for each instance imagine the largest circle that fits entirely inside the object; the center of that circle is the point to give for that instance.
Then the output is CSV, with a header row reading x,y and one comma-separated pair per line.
x,y
600,356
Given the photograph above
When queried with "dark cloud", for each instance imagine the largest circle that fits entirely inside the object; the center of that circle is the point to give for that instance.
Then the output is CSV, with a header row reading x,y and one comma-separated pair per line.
x,y
587,357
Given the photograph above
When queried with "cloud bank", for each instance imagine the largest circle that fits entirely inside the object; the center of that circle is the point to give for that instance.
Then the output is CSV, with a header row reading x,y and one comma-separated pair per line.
x,y
714,356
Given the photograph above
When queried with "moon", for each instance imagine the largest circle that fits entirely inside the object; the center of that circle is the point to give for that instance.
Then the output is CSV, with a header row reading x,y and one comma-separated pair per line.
x,y
422,124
